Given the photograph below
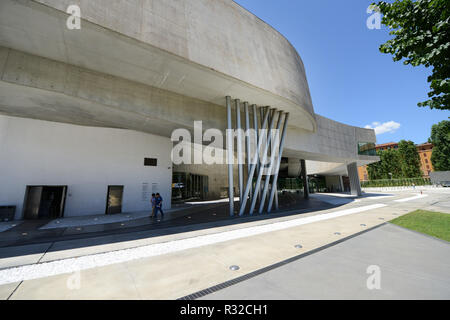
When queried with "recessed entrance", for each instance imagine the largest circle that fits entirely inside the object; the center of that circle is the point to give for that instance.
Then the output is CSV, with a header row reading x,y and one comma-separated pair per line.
x,y
114,199
187,186
45,202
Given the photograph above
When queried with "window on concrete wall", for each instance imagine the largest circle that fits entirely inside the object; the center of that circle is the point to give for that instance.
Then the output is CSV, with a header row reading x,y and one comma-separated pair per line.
x,y
150,162
367,148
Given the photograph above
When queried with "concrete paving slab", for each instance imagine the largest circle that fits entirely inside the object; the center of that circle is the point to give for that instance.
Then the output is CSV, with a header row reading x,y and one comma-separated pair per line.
x,y
85,285
412,267
22,255
7,290
195,269
176,274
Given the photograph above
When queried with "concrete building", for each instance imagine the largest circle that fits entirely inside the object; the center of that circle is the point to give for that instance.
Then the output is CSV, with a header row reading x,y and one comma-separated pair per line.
x,y
425,151
86,115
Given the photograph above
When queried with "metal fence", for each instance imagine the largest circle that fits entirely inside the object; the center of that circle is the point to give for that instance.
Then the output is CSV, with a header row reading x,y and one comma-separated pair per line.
x,y
396,182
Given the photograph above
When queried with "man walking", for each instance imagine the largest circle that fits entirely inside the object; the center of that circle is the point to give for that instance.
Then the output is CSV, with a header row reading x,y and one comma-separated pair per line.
x,y
153,202
158,205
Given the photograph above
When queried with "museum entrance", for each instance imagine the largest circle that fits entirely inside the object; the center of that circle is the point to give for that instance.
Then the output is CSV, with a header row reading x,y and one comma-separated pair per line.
x,y
114,199
188,187
45,202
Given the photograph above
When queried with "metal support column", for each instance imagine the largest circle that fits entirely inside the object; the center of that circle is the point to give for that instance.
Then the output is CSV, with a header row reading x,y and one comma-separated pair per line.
x,y
240,157
247,137
274,191
271,162
230,155
255,125
253,169
263,161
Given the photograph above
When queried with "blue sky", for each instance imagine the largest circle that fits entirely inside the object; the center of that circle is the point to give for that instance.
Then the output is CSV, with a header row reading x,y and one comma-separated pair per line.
x,y
350,80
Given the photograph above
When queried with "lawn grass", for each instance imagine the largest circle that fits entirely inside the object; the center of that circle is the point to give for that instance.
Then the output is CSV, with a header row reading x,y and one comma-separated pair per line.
x,y
435,224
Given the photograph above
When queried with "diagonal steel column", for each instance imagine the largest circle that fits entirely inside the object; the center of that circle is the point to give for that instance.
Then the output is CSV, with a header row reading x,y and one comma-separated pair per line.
x,y
230,155
253,168
247,137
240,157
263,111
274,191
272,160
261,168
255,125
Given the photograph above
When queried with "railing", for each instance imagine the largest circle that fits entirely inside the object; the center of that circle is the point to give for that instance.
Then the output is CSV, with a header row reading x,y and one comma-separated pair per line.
x,y
396,182
297,184
367,149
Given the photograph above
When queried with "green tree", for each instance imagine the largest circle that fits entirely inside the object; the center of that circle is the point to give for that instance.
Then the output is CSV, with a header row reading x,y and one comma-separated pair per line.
x,y
375,170
421,37
389,164
440,138
409,159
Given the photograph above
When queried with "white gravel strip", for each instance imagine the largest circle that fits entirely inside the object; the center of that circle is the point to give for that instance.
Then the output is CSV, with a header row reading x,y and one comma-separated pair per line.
x,y
418,196
65,266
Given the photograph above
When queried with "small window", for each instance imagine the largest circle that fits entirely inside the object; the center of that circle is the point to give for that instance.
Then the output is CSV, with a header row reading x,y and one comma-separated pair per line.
x,y
150,162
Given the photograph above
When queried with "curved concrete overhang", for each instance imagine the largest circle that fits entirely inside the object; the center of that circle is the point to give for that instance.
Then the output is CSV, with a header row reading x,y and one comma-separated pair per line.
x,y
40,88
200,49
332,146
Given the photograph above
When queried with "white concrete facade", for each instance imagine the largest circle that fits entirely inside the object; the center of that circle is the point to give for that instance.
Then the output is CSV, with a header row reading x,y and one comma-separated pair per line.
x,y
86,159
112,93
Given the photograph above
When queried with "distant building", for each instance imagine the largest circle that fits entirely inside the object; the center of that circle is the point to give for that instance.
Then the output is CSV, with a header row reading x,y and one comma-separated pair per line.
x,y
386,146
425,150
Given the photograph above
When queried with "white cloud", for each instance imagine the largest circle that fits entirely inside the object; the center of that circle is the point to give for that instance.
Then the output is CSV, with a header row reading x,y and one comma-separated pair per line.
x,y
380,128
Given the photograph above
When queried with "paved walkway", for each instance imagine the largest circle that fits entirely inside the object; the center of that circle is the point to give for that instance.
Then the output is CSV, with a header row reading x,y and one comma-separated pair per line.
x,y
411,266
40,231
158,265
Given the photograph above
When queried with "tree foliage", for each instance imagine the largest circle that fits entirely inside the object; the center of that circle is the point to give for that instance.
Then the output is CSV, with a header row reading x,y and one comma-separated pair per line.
x,y
421,37
440,138
403,162
375,170
409,159
387,168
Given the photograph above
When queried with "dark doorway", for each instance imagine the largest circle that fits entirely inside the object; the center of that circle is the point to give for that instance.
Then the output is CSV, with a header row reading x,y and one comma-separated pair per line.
x,y
45,202
346,183
114,199
188,187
